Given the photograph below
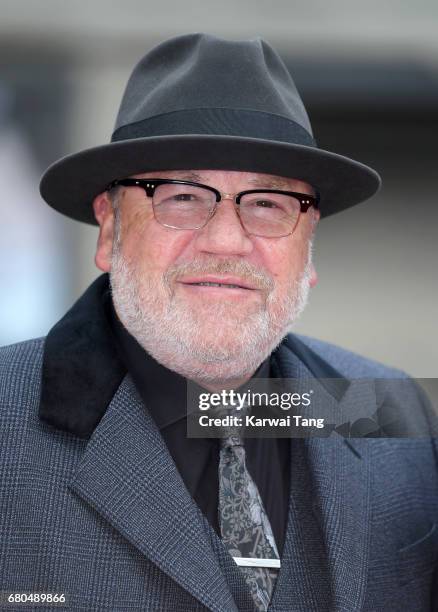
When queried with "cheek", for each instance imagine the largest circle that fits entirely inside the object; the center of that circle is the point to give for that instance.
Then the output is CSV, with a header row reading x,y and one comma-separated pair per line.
x,y
285,260
151,247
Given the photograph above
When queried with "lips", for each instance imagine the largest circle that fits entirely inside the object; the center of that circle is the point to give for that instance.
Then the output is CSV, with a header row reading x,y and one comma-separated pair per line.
x,y
227,282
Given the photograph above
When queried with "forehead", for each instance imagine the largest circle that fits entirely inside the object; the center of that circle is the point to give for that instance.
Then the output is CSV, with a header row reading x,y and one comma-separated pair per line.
x,y
235,177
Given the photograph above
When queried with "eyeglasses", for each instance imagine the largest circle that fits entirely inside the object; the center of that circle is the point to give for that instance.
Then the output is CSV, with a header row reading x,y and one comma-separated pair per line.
x,y
270,213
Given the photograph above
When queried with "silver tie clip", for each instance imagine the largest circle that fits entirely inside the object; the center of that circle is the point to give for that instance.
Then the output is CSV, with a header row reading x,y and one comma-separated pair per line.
x,y
252,562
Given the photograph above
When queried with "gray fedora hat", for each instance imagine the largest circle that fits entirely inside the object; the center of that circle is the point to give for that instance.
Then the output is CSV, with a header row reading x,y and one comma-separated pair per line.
x,y
201,102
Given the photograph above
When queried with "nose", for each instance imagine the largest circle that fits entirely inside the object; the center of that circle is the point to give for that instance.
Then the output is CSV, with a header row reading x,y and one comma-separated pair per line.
x,y
224,233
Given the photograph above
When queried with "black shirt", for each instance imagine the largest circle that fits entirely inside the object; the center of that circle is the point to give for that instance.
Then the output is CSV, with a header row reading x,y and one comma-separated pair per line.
x,y
197,459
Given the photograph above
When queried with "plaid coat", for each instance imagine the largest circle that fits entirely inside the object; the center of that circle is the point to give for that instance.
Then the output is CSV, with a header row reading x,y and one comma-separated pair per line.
x,y
92,505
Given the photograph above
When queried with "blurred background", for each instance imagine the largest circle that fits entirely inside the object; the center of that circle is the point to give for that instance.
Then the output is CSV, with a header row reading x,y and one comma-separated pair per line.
x,y
368,74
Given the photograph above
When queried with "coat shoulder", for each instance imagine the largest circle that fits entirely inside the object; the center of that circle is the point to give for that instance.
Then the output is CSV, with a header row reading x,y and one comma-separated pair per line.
x,y
21,356
348,363
20,373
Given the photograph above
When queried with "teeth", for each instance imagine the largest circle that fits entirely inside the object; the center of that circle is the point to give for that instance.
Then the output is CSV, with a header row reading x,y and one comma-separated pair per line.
x,y
217,285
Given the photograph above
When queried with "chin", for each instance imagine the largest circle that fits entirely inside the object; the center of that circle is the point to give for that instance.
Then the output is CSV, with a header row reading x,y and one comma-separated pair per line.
x,y
217,354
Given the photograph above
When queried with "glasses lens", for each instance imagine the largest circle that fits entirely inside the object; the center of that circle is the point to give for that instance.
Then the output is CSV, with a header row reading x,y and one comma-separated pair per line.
x,y
269,214
183,206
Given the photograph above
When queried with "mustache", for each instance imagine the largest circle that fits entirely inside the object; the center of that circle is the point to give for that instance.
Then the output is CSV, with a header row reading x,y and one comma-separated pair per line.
x,y
210,265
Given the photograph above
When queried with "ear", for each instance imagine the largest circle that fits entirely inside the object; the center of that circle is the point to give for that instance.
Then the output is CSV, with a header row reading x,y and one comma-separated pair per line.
x,y
316,217
313,276
103,211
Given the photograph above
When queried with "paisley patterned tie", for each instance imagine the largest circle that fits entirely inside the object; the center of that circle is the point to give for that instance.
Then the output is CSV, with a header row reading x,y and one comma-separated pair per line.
x,y
245,527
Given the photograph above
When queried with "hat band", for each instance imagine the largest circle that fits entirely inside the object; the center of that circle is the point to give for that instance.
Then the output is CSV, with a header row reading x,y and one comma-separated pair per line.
x,y
218,122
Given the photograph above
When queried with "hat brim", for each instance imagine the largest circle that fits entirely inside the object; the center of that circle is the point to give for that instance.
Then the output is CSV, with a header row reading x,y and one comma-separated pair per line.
x,y
71,184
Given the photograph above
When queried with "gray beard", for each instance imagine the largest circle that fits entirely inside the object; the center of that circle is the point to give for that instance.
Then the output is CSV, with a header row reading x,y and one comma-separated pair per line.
x,y
216,345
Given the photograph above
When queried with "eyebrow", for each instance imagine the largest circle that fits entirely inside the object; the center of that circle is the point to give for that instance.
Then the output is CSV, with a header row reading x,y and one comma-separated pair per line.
x,y
269,183
185,176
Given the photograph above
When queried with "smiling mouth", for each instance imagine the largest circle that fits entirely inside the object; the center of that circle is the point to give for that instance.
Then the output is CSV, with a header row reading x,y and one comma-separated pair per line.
x,y
211,284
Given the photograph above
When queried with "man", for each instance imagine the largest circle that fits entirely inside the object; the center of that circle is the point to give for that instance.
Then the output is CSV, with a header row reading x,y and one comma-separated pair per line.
x,y
207,200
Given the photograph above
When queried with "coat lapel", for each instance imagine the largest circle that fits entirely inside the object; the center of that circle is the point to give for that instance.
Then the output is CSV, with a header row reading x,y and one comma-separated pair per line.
x,y
128,476
340,480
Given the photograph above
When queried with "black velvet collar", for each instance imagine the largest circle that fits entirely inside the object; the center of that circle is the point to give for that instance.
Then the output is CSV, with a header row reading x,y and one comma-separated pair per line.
x,y
82,368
